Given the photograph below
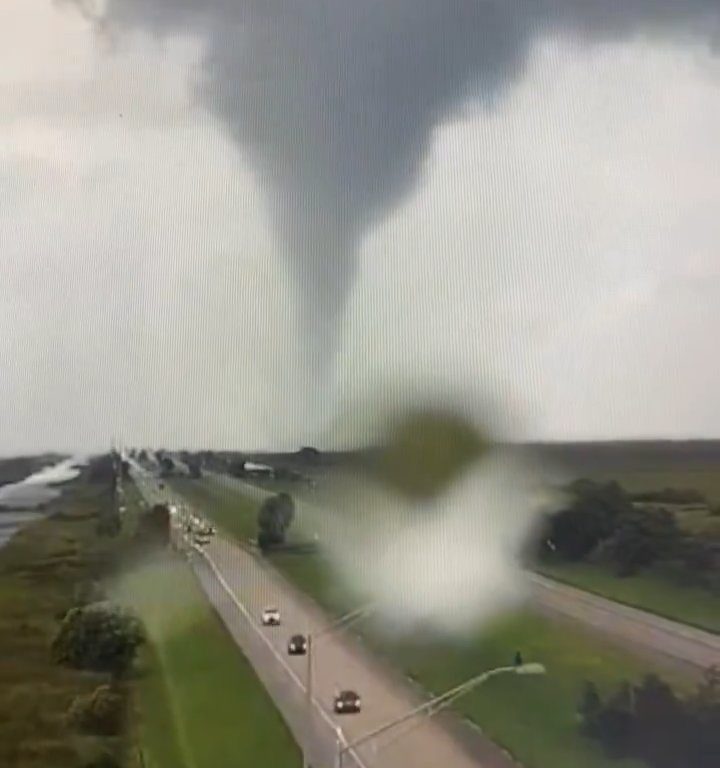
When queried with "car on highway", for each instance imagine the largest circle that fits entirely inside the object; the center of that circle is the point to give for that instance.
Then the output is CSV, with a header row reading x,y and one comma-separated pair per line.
x,y
297,645
271,617
346,702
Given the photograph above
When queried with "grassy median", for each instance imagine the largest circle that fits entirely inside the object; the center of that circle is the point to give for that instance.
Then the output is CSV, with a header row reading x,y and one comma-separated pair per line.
x,y
647,590
216,713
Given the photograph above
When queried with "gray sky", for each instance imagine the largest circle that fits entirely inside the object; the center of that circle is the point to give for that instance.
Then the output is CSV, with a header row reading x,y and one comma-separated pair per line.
x,y
194,202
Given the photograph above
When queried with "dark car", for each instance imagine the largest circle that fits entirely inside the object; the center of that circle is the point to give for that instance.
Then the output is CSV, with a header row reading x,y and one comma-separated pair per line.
x,y
346,702
297,645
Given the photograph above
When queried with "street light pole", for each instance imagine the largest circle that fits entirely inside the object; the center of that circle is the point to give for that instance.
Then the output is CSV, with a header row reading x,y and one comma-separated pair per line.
x,y
343,621
308,691
437,703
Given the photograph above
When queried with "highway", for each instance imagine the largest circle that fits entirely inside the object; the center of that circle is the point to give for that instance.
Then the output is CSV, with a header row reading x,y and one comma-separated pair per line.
x,y
677,646
240,585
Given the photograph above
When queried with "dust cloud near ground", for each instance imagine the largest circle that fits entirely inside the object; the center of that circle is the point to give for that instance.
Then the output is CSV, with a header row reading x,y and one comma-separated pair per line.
x,y
445,557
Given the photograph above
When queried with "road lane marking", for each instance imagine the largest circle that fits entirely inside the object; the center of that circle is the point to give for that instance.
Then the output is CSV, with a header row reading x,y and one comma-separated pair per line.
x,y
336,728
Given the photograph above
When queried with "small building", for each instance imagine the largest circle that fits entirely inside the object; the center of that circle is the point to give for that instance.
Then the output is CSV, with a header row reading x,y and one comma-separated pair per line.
x,y
258,470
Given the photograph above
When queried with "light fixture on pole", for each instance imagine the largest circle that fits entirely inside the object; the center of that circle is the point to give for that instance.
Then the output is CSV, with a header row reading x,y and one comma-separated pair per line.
x,y
438,703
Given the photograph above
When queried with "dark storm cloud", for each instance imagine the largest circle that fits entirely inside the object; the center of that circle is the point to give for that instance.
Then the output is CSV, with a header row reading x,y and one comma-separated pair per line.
x,y
334,102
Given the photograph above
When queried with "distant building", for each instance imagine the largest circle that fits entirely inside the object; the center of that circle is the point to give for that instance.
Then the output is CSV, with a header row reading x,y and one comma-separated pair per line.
x,y
258,470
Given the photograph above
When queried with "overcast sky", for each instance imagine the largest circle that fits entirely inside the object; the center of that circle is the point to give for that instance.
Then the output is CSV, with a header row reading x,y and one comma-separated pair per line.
x,y
541,232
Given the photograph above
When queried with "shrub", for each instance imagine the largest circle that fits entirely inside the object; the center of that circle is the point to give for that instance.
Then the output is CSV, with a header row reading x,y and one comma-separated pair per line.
x,y
98,637
103,760
101,712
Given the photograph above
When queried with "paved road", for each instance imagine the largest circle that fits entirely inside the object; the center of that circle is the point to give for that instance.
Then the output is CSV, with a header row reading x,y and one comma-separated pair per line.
x,y
240,585
675,645
667,641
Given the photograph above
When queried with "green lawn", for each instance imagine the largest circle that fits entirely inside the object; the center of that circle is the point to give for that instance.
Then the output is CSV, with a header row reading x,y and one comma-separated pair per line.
x,y
155,719
534,718
648,590
221,713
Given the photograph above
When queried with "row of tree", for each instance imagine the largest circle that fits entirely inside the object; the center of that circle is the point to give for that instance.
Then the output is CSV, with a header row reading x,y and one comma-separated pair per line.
x,y
651,723
600,522
671,496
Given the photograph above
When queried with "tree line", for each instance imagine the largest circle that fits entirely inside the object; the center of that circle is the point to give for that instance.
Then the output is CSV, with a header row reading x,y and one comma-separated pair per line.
x,y
601,523
651,723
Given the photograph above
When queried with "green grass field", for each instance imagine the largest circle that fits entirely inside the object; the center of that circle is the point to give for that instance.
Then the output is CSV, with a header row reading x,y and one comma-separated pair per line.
x,y
39,570
201,704
534,718
703,477
155,727
648,590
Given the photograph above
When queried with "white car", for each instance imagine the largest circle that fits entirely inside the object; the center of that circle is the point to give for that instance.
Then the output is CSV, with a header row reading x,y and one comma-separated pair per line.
x,y
271,617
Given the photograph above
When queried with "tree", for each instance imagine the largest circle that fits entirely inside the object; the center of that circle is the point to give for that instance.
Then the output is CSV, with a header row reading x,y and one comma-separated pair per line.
x,y
274,518
704,710
642,538
671,496
614,722
101,712
661,725
651,723
589,708
99,637
591,518
153,527
309,455
102,469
